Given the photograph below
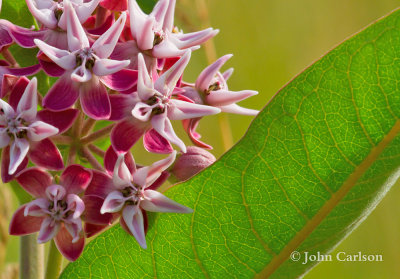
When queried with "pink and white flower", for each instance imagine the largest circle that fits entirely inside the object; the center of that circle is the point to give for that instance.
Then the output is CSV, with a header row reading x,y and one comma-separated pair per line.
x,y
155,108
156,37
130,193
211,89
87,68
57,210
23,134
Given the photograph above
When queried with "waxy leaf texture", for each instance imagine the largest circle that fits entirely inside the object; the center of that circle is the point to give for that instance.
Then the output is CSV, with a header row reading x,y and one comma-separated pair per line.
x,y
311,167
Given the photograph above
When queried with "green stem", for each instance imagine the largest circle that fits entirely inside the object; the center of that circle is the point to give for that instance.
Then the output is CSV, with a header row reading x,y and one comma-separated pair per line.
x,y
54,262
31,257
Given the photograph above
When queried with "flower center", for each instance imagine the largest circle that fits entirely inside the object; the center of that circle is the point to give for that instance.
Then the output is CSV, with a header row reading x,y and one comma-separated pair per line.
x,y
16,127
58,210
134,196
86,56
159,103
158,37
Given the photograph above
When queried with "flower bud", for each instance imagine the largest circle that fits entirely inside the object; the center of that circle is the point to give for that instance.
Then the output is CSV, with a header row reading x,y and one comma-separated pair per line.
x,y
192,162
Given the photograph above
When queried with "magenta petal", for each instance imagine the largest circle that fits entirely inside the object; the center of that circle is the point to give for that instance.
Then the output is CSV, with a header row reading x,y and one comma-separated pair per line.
x,y
35,181
27,105
26,71
22,36
190,126
92,211
22,225
17,91
100,185
163,126
45,154
110,159
133,218
62,94
69,250
122,105
75,179
154,142
94,100
5,162
126,133
62,120
51,69
93,229
104,27
115,5
159,181
121,80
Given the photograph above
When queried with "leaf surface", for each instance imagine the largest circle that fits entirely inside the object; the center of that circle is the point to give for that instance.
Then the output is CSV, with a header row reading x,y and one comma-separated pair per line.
x,y
312,166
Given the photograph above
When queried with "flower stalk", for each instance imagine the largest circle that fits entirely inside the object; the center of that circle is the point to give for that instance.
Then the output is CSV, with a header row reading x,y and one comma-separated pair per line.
x,y
54,262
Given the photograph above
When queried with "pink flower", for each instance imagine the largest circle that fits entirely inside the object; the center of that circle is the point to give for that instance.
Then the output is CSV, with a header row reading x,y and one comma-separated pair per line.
x,y
87,68
130,193
155,35
22,130
51,13
57,210
211,89
154,107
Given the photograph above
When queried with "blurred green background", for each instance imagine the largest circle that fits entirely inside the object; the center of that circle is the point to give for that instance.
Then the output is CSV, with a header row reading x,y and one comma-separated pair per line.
x,y
272,41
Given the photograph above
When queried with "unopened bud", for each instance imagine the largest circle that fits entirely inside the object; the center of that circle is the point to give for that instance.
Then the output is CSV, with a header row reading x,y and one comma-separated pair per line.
x,y
192,162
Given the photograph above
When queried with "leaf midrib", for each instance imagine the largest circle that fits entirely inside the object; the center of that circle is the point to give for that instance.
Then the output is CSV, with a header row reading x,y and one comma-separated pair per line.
x,y
330,204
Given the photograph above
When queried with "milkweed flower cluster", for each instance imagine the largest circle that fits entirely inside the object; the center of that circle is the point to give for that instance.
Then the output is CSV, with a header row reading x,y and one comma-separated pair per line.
x,y
116,72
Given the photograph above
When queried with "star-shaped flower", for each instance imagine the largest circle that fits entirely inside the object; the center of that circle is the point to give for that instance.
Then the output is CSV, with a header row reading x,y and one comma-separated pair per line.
x,y
87,69
57,210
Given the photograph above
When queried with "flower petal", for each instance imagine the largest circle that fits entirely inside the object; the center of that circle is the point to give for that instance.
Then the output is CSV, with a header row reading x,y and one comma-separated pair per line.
x,y
92,213
158,167
76,205
94,100
37,208
62,120
74,228
142,111
157,202
163,126
77,38
133,218
5,162
93,229
225,97
22,225
185,41
81,74
145,84
167,81
27,106
16,93
4,138
62,94
113,202
85,9
7,112
100,185
121,80
110,159
206,76
71,251
19,149
234,108
62,58
103,67
105,44
46,155
169,16
122,105
153,142
113,5
126,133
75,179
121,176
180,110
48,230
35,181
141,26
51,68
40,130
44,15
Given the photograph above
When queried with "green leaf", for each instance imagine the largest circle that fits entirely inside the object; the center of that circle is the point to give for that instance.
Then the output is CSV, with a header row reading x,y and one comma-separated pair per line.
x,y
147,5
311,167
17,12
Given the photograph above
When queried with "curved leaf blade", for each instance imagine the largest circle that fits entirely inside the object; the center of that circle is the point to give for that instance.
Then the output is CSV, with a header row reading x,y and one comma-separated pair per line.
x,y
311,167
